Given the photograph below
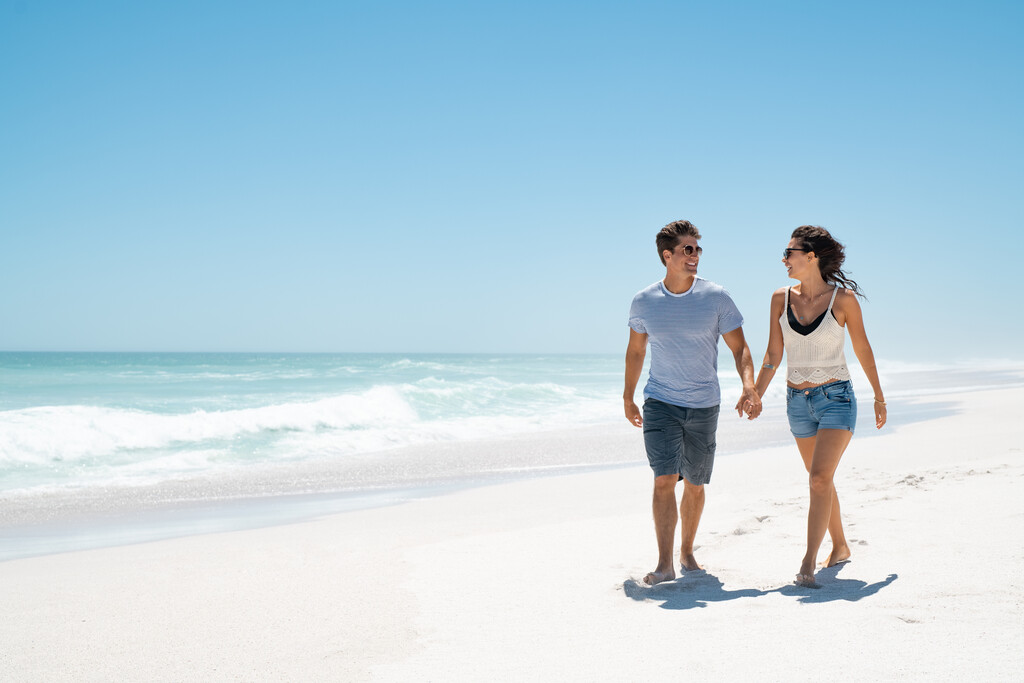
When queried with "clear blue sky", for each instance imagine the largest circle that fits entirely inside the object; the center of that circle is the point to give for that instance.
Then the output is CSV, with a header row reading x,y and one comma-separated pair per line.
x,y
477,176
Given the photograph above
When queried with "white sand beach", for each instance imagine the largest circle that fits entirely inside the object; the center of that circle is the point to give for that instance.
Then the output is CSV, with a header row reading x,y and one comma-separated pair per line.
x,y
539,579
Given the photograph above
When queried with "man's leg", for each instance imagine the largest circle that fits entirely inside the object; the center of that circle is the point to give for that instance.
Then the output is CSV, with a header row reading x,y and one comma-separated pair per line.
x,y
664,508
690,509
699,460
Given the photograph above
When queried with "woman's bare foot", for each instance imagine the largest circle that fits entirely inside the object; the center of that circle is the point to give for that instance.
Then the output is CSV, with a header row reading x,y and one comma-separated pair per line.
x,y
657,577
838,556
688,562
806,575
806,580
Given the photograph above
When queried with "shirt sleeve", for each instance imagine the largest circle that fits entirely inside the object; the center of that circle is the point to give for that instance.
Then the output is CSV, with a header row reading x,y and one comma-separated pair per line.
x,y
729,317
636,320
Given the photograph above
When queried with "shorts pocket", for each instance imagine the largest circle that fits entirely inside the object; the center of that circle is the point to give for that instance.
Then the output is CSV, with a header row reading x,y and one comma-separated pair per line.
x,y
839,394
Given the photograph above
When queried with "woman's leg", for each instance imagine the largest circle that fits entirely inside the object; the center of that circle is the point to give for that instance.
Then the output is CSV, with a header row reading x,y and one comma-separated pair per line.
x,y
840,548
828,449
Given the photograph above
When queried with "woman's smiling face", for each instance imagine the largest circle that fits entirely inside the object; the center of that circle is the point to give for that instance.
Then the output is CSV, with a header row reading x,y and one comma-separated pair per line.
x,y
796,258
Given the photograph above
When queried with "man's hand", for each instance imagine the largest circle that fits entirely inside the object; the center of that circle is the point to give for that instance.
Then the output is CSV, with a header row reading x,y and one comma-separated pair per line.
x,y
749,403
633,413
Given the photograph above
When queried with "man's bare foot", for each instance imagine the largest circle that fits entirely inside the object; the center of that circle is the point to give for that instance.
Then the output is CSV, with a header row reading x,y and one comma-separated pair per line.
x,y
657,577
837,556
688,562
806,580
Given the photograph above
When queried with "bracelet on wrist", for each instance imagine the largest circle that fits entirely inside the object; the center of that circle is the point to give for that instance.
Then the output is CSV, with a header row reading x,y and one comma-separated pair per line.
x,y
880,402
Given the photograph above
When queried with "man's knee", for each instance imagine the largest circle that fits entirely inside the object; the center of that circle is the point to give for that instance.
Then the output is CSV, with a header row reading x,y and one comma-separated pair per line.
x,y
692,489
666,483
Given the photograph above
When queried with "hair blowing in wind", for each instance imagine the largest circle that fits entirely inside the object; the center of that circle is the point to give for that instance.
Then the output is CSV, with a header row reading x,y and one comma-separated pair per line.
x,y
831,255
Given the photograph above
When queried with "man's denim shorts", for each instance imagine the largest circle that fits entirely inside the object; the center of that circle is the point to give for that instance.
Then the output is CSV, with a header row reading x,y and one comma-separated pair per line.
x,y
680,440
830,406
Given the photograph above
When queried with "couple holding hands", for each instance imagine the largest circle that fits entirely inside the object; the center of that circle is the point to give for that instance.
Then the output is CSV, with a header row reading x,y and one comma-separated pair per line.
x,y
681,317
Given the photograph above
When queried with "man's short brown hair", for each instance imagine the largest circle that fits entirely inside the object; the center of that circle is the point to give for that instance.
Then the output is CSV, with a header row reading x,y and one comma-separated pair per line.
x,y
668,237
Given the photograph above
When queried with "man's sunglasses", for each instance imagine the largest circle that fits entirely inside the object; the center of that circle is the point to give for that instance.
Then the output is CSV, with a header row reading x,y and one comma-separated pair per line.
x,y
787,252
688,250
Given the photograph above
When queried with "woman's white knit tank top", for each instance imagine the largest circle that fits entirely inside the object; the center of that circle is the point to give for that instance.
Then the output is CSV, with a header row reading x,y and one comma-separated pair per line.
x,y
818,356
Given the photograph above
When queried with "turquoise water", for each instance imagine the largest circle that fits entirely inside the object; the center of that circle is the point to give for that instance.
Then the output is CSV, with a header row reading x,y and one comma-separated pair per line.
x,y
74,419
103,449
77,421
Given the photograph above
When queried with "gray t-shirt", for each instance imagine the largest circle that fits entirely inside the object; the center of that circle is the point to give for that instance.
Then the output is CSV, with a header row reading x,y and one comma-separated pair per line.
x,y
683,331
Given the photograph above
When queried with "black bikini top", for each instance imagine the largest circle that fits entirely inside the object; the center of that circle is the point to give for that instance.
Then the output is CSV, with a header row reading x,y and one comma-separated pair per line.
x,y
805,330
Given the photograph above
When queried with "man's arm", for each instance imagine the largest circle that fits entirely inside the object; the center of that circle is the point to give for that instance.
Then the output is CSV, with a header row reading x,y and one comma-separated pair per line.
x,y
749,401
635,354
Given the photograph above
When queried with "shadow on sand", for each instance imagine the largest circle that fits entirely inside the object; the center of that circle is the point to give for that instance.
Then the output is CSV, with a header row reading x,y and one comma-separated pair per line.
x,y
698,588
692,589
833,588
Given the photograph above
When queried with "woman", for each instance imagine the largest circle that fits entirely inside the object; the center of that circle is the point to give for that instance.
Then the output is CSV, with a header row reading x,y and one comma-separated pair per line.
x,y
808,321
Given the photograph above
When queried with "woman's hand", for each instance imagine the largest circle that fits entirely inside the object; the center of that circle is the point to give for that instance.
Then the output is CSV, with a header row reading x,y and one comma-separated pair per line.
x,y
749,403
880,414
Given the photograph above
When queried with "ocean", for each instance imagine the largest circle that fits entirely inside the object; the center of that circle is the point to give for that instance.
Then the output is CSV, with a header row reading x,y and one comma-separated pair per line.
x,y
69,420
85,436
74,420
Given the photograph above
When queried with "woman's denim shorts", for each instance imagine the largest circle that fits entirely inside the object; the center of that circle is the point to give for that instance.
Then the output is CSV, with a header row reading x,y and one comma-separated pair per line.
x,y
830,406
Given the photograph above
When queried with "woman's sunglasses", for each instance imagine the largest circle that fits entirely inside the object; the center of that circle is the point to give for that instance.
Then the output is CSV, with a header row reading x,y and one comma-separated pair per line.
x,y
787,252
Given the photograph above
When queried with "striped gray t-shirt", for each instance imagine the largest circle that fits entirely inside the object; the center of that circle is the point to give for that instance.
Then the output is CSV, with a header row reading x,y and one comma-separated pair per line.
x,y
683,331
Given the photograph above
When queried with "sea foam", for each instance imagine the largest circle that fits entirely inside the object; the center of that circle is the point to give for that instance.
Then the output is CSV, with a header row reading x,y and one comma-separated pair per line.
x,y
188,419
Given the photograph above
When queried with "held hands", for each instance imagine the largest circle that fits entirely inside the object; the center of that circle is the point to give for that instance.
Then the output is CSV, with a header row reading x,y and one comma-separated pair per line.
x,y
749,403
633,413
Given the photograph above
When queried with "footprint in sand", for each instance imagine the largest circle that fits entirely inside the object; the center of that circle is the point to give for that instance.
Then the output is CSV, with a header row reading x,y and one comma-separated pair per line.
x,y
750,528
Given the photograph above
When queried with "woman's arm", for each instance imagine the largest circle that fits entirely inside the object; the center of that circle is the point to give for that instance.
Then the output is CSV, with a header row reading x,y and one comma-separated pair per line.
x,y
772,356
851,315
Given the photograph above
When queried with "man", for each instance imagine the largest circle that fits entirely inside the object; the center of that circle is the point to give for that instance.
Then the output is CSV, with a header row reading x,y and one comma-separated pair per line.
x,y
682,317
